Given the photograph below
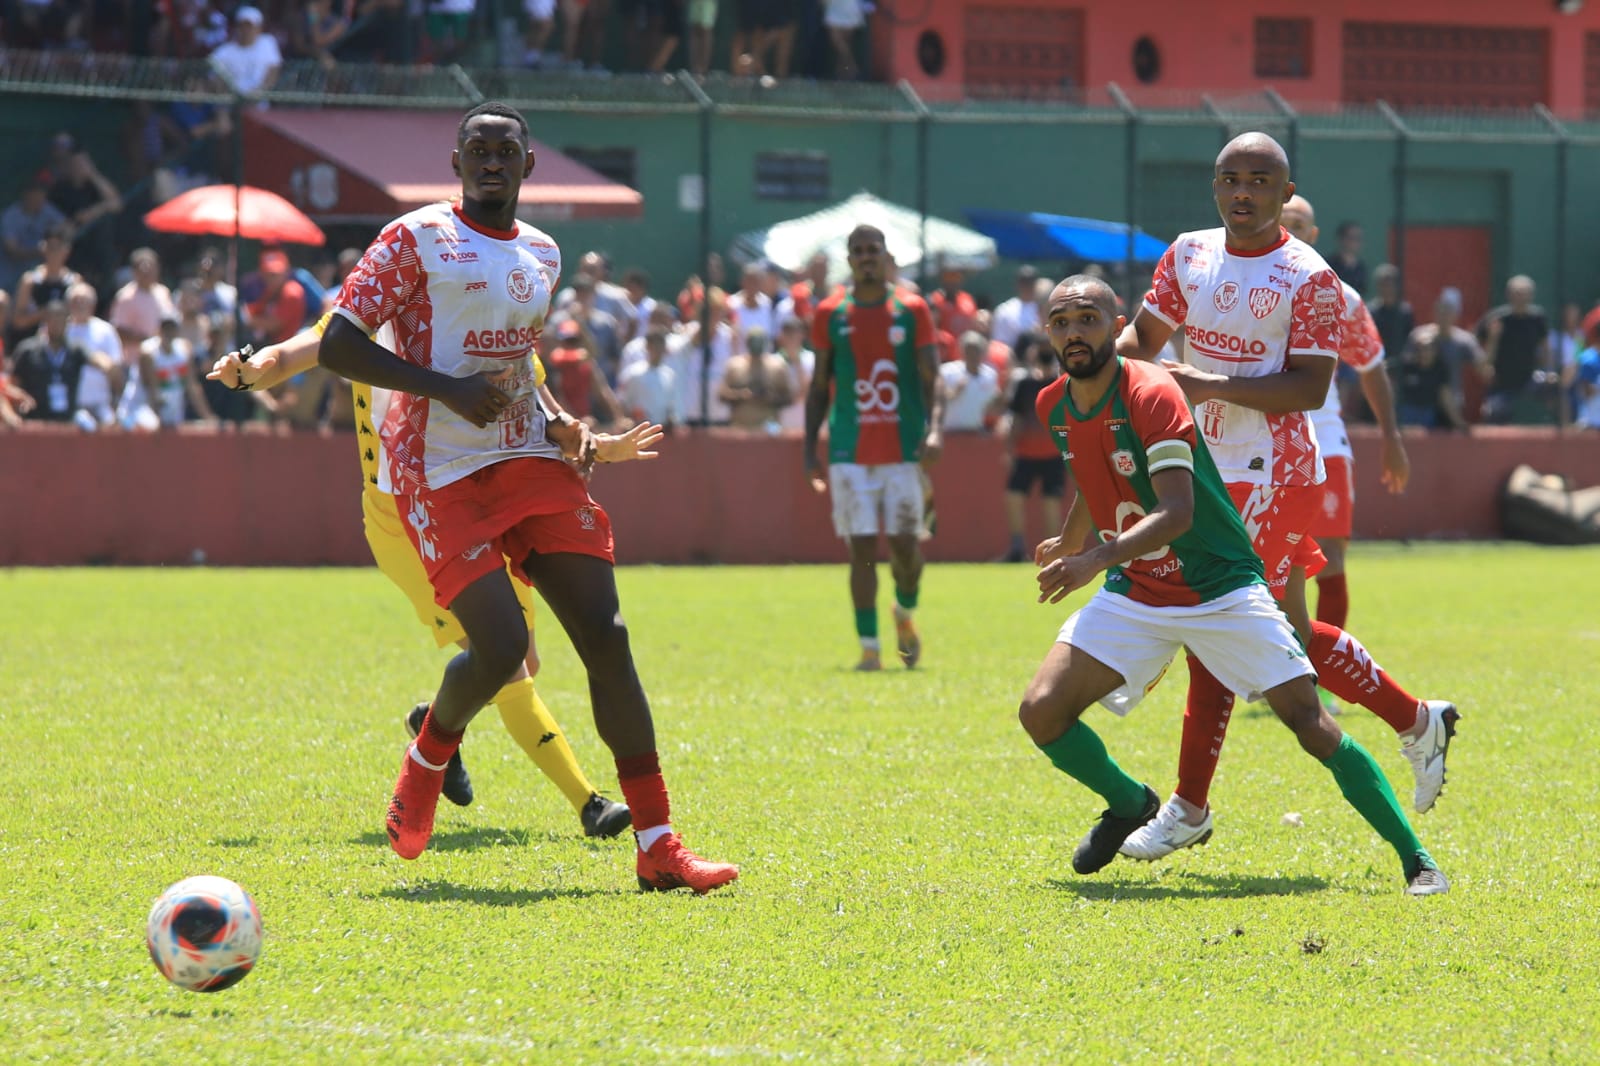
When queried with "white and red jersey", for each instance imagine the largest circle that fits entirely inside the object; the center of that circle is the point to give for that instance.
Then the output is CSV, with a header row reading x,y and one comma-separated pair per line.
x,y
1242,314
1362,350
462,300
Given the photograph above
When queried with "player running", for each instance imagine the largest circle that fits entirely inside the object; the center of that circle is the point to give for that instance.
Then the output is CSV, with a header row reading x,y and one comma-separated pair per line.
x,y
876,343
524,714
476,467
1362,350
1180,570
1262,315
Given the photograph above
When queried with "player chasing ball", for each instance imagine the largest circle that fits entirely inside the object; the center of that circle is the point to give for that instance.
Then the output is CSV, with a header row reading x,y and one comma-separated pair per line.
x,y
1180,570
1263,318
523,713
877,383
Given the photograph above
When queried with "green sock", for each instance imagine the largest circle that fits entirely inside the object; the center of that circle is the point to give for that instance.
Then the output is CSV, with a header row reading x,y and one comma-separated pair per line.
x,y
867,622
1079,754
908,600
1368,791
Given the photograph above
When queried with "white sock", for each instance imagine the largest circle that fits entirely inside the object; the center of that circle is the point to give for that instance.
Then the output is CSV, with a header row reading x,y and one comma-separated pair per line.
x,y
416,757
902,614
648,837
869,643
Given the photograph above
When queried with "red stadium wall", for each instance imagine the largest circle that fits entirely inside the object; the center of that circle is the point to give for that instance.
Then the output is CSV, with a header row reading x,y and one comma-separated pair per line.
x,y
261,499
1203,47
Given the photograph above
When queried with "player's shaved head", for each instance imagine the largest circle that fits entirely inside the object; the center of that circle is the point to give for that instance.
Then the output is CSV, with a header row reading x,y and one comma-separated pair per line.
x,y
1253,151
1300,205
1085,288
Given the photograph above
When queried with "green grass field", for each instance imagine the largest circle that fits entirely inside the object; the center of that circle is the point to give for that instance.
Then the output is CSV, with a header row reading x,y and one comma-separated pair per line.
x,y
906,895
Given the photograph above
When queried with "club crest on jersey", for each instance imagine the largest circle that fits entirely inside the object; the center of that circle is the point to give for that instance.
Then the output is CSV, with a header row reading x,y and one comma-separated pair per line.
x,y
586,518
897,335
1263,301
1227,297
1123,461
519,285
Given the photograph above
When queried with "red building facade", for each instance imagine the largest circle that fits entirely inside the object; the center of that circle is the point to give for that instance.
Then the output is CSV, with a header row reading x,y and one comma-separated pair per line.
x,y
1411,53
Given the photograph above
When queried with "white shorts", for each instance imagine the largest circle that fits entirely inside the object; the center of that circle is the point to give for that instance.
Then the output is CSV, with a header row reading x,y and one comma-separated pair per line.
x,y
1242,637
861,494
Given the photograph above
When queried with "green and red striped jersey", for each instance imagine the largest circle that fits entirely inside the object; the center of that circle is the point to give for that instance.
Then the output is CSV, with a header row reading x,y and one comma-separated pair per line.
x,y
878,414
1141,426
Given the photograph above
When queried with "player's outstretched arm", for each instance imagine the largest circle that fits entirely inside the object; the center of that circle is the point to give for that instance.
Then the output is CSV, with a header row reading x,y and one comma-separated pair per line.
x,y
1144,337
634,444
1302,386
271,366
1171,517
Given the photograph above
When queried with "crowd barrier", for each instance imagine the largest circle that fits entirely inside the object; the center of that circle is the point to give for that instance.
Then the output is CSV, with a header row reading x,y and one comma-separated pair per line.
x,y
714,496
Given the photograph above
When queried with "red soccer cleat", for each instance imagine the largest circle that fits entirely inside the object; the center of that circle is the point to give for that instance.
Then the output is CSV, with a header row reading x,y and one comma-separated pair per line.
x,y
668,865
410,818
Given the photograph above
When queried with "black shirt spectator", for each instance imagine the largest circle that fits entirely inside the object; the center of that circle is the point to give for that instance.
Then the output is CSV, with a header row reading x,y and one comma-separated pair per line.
x,y
1516,338
49,371
1391,312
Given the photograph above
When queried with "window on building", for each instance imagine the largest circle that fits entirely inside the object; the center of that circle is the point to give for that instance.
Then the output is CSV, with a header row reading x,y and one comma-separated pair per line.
x,y
1283,48
1441,66
792,176
1020,48
618,164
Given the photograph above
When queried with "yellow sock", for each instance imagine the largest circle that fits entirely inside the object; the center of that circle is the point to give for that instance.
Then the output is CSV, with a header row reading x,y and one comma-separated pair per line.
x,y
528,721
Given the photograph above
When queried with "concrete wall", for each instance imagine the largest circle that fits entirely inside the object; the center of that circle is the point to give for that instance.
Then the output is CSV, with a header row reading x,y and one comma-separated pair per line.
x,y
714,496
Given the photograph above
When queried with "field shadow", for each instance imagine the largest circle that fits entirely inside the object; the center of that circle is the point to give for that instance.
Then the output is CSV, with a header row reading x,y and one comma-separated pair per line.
x,y
450,892
472,838
239,842
1192,886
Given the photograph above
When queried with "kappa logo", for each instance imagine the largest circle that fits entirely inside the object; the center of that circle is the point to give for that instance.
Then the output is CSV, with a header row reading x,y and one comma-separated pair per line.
x,y
1263,302
1227,297
476,550
1123,461
519,285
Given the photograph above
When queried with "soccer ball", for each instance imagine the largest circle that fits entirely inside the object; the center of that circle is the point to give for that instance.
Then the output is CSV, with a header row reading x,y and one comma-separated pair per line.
x,y
204,934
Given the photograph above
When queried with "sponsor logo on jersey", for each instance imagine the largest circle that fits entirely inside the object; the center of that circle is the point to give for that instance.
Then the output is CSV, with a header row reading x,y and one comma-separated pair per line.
x,y
381,255
519,285
1191,287
477,286
458,257
1263,302
1227,297
897,335
878,394
499,343
475,551
1282,283
1325,305
1226,346
1123,461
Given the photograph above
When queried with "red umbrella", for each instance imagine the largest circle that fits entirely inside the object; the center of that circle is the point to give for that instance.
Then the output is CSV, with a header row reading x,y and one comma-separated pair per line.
x,y
235,211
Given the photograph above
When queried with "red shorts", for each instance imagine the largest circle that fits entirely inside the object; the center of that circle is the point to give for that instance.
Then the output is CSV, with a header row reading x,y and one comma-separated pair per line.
x,y
1338,500
1279,520
511,508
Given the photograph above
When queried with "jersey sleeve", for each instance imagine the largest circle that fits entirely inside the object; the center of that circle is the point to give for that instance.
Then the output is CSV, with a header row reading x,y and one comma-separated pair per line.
x,y
384,281
1161,417
1316,324
923,318
549,255
1362,347
1165,299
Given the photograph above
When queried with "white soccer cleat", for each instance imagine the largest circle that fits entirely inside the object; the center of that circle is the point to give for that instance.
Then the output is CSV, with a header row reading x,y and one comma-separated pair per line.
x,y
1426,753
1165,834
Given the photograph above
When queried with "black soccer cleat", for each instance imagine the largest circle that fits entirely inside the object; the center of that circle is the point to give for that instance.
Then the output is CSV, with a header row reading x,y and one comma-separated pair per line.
x,y
1100,844
457,785
604,818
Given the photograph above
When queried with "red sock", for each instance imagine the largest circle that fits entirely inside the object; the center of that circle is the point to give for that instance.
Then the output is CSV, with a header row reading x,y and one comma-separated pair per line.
x,y
1333,600
645,791
434,744
1345,669
1205,724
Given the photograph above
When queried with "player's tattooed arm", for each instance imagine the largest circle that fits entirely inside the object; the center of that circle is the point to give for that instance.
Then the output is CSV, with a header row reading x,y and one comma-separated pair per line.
x,y
271,366
1171,517
1144,337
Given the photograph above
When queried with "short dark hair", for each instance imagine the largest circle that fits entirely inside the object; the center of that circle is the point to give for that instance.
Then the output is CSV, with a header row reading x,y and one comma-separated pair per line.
x,y
498,110
863,229
1346,226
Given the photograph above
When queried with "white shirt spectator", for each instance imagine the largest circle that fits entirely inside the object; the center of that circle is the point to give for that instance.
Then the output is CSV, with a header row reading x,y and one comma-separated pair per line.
x,y
753,311
967,395
1013,318
94,388
689,362
800,371
633,352
650,392
248,66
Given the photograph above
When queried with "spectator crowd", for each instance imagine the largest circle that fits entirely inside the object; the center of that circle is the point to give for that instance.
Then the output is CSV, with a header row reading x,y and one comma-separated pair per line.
x,y
250,41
